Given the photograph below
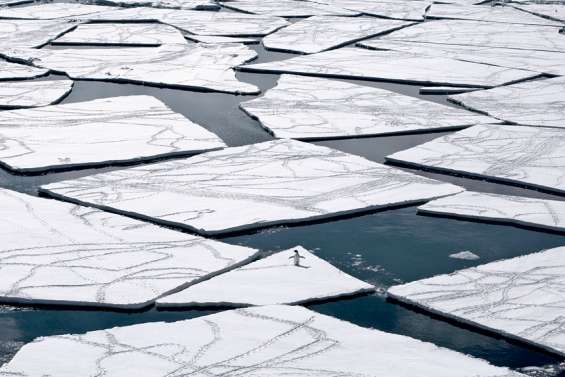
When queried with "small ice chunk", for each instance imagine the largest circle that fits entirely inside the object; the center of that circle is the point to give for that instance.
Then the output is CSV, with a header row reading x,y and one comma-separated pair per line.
x,y
464,255
17,94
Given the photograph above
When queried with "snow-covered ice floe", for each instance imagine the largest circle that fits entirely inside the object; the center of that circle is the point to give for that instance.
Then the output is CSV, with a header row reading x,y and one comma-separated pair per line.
x,y
320,33
533,103
553,11
191,66
359,63
62,254
14,71
529,156
218,39
175,4
531,212
403,10
17,94
49,11
253,186
521,298
464,255
317,108
287,8
97,132
272,280
273,341
31,33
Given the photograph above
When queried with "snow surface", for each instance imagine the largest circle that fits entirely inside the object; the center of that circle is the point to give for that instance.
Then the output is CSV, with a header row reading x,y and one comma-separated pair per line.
x,y
32,93
14,71
529,156
264,341
404,10
49,11
275,182
97,132
316,108
521,298
465,255
553,11
31,33
538,213
62,254
286,8
272,280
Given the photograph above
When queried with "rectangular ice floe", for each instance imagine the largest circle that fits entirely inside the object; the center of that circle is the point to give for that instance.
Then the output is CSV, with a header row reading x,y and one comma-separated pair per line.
x,y
359,63
534,103
274,341
521,298
32,93
272,280
31,33
98,132
14,71
531,212
49,11
286,8
320,33
253,186
529,156
62,254
317,108
192,66
403,10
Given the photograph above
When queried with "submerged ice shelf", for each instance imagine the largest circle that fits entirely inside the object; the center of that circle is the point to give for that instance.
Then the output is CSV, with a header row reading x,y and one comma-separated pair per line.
x,y
521,298
62,254
272,341
275,182
17,94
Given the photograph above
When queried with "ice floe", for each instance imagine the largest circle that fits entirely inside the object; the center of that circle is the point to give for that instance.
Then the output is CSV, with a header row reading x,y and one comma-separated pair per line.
x,y
14,71
317,108
286,8
359,63
272,341
404,10
320,33
33,93
218,39
533,103
553,11
272,280
61,254
48,11
532,212
464,255
97,132
521,298
275,182
529,156
31,33
175,4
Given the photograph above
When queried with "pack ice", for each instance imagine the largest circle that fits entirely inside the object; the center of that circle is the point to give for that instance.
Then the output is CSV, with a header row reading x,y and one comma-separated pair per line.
x,y
16,94
49,11
31,33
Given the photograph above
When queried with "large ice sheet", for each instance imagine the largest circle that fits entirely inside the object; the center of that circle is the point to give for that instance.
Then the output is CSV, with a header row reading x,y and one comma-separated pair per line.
x,y
530,156
521,298
403,10
33,93
320,33
48,11
316,108
273,341
122,34
358,63
14,71
286,8
532,212
175,4
272,280
253,186
193,66
62,254
31,33
552,11
534,103
101,131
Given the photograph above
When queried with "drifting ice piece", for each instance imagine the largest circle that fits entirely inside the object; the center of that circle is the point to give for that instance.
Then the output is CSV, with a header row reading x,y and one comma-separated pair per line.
x,y
273,341
534,103
59,253
31,33
286,8
531,156
404,10
175,4
151,34
98,132
276,182
273,280
49,11
358,63
314,108
521,298
13,71
215,39
32,93
538,213
194,66
465,255
321,33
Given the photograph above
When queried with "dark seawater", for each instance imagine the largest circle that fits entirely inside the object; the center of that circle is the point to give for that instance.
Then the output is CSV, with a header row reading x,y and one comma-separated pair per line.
x,y
383,248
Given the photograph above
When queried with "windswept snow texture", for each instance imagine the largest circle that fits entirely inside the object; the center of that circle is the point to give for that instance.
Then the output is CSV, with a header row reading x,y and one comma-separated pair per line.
x,y
61,254
150,34
191,66
14,71
253,186
521,298
529,156
359,63
212,39
534,103
275,341
32,93
175,4
97,132
403,10
316,108
552,11
49,11
538,213
272,280
320,33
31,33
286,8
